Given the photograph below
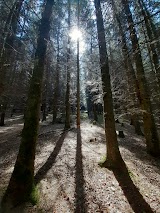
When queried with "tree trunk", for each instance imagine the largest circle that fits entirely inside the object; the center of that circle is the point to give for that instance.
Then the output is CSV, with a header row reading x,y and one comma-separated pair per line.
x,y
114,159
8,42
44,111
21,184
3,108
155,35
78,74
95,112
131,77
150,131
56,88
89,101
67,117
45,90
154,54
2,118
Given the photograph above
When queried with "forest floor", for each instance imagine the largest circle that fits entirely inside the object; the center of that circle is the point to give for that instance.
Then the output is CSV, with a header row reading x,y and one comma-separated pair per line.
x,y
68,176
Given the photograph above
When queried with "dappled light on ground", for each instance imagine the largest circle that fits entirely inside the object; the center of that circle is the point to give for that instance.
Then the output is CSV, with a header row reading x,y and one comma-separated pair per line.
x,y
68,176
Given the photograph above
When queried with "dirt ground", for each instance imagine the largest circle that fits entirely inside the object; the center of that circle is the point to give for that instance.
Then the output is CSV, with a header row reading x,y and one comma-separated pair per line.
x,y
67,172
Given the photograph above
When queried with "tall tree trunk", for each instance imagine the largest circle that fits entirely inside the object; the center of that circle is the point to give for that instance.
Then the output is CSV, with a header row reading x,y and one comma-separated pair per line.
x,y
114,159
150,131
21,184
56,88
6,57
89,101
78,74
131,77
9,38
153,52
154,31
45,94
67,118
6,26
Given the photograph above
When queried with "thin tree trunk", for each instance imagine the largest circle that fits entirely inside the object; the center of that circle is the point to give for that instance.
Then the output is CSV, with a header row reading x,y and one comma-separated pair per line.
x,y
67,117
6,27
7,48
114,159
131,77
3,112
21,184
95,112
154,32
150,131
154,55
5,98
78,74
56,88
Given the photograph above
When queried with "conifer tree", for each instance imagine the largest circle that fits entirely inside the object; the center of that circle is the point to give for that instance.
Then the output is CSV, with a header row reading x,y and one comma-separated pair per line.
x,y
21,185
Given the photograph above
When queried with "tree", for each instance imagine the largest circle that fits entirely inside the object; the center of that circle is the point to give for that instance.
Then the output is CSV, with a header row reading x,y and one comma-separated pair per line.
x,y
56,87
152,46
131,77
67,98
6,58
150,131
9,34
78,71
114,159
21,184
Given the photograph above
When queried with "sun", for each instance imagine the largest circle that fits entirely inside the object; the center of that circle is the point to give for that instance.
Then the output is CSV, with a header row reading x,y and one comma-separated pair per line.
x,y
75,34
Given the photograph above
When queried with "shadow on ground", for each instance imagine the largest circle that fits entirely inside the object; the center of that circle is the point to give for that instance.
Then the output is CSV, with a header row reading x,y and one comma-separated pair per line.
x,y
135,199
51,160
80,201
138,149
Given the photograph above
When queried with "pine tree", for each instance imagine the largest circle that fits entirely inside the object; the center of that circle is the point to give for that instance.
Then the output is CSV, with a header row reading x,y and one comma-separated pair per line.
x,y
67,98
114,159
78,71
21,184
129,72
150,131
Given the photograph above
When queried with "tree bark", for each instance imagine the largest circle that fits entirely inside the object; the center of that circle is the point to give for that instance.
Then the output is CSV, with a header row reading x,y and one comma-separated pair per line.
x,y
114,159
131,77
95,112
8,42
78,74
21,184
150,131
67,101
56,88
152,46
154,34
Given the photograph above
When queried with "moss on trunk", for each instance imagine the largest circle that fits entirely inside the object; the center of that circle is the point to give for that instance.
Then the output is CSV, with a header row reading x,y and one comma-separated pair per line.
x,y
21,185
